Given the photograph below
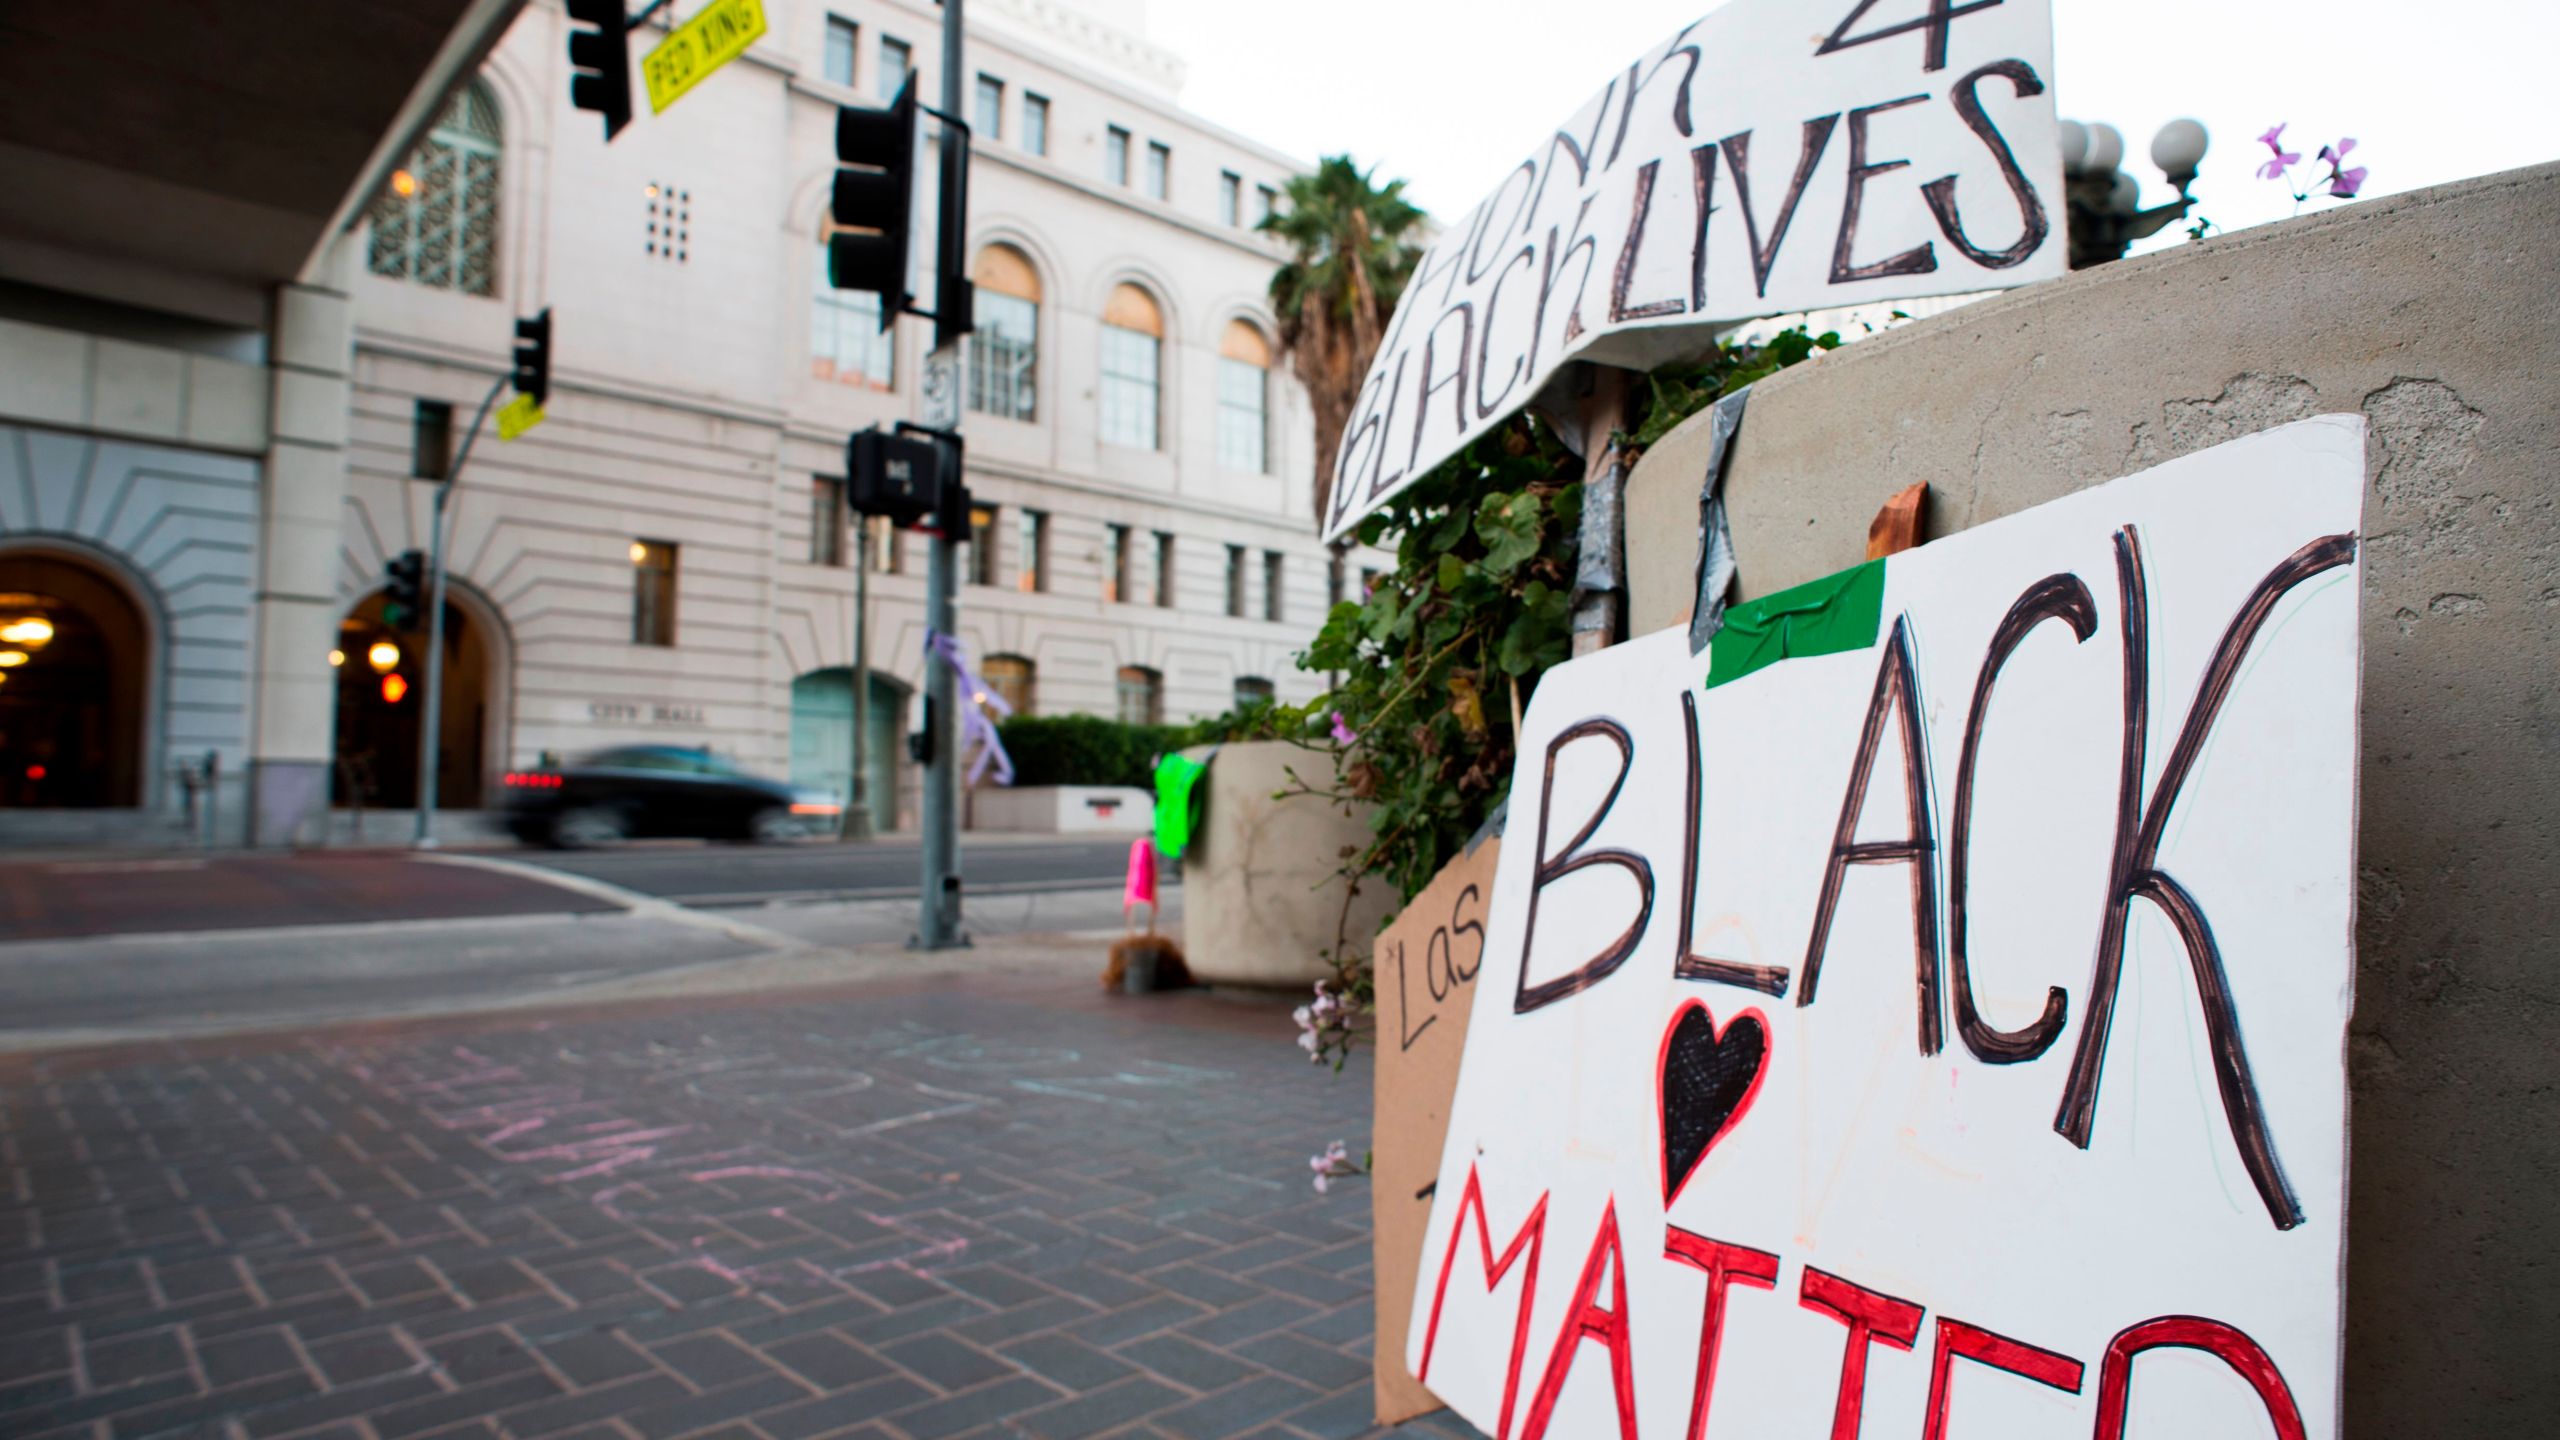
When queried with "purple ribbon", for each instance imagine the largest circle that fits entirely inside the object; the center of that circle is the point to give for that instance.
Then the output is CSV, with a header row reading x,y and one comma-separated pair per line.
x,y
975,728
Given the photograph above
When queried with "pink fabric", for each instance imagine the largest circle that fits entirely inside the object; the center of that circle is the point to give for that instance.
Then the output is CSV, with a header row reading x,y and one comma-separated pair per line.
x,y
1142,878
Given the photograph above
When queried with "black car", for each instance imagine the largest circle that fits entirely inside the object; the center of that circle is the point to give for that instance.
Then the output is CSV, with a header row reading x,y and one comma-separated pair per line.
x,y
639,790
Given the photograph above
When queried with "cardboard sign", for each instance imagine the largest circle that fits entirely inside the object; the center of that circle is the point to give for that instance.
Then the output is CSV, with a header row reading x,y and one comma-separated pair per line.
x,y
1426,965
517,416
1777,155
1927,1011
719,34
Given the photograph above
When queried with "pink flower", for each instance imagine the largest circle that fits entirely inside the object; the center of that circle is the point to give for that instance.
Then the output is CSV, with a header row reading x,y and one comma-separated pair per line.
x,y
1343,734
2342,182
1334,1163
2282,160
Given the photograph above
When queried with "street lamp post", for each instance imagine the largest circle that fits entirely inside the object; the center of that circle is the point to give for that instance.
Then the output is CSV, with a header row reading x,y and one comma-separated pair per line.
x,y
2106,214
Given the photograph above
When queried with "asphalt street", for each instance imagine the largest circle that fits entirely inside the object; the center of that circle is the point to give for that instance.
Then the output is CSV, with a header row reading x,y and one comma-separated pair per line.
x,y
716,875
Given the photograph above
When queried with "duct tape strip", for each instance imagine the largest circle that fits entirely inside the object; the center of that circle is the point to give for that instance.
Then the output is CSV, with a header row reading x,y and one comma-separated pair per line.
x,y
1715,536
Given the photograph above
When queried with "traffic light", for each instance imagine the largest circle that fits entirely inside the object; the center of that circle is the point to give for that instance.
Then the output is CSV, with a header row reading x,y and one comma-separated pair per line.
x,y
899,476
875,192
600,62
533,357
404,589
955,295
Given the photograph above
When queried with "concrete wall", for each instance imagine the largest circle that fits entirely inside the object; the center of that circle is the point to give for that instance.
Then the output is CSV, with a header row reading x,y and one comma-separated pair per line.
x,y
2436,316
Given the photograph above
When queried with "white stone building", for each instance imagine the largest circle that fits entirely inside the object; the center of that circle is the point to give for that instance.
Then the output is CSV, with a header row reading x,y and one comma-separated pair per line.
x,y
666,558
1141,467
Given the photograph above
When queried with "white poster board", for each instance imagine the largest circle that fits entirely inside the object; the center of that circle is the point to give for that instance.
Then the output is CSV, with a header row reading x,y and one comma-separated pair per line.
x,y
1988,1085
1774,156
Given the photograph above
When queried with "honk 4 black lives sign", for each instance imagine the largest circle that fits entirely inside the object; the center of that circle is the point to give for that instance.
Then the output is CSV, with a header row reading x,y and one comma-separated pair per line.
x,y
1775,156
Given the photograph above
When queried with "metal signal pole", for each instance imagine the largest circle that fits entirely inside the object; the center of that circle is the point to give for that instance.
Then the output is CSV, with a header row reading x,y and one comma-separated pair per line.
x,y
431,724
938,926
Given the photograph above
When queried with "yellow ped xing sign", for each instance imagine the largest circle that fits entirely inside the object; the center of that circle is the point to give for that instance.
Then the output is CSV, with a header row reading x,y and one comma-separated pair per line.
x,y
720,34
517,416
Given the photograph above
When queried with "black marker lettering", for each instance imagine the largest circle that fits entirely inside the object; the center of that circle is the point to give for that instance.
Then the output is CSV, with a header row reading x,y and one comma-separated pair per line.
x,y
1941,192
1619,309
1737,158
1527,997
1920,259
1688,965
1896,690
2056,597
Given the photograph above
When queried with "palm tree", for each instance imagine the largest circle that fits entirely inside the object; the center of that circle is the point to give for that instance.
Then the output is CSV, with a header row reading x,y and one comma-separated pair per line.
x,y
1352,256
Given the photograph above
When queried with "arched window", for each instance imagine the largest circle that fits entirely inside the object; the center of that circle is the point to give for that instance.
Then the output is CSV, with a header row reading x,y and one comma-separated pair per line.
x,y
1011,676
1244,390
437,224
846,343
1141,696
1253,690
1003,355
1132,359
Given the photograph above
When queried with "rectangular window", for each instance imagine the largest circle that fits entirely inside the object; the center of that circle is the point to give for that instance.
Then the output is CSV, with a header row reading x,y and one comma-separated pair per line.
x,y
1115,155
1035,123
1129,387
1003,356
1141,696
653,592
896,61
1265,201
1333,582
989,117
431,440
982,545
843,42
1235,580
846,344
1032,575
1275,585
1230,198
1115,572
1164,571
826,520
1242,430
1159,169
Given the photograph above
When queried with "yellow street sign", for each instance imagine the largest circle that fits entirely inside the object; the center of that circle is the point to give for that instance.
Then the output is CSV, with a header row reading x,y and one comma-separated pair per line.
x,y
518,416
720,34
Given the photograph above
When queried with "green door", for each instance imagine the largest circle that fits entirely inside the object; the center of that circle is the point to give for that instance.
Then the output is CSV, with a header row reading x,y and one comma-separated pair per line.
x,y
822,732
822,739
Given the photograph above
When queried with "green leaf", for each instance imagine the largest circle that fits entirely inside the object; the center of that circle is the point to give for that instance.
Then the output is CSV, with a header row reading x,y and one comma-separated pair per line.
x,y
1508,526
1452,571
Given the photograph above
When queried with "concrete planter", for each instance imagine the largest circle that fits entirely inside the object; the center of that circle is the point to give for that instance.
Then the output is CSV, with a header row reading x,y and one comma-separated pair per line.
x,y
1260,902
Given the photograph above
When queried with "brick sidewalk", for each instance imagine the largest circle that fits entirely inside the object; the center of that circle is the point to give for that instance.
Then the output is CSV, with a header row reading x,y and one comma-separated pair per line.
x,y
978,1208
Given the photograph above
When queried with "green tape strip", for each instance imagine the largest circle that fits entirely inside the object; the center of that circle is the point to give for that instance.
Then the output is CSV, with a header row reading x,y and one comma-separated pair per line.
x,y
1820,617
1177,803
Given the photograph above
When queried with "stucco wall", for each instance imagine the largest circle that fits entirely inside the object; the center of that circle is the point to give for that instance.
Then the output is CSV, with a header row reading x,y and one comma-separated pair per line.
x,y
2437,317
1261,904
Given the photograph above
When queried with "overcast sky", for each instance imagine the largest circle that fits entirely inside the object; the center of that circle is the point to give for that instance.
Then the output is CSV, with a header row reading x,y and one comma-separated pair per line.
x,y
2433,91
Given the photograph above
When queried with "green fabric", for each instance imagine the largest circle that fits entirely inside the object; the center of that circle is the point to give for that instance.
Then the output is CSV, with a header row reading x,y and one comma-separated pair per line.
x,y
1821,617
1178,802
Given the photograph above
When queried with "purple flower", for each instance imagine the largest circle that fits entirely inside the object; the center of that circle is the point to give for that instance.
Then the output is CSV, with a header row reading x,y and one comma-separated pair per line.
x,y
2342,182
1343,734
2282,160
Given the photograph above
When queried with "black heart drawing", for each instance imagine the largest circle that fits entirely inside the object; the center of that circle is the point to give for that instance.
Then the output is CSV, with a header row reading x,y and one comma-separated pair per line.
x,y
1708,1080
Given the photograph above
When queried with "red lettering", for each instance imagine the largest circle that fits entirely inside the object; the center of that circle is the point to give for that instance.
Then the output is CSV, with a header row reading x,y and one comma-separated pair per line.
x,y
2242,1354
1873,1317
1725,1265
1585,1320
1957,1339
1530,1237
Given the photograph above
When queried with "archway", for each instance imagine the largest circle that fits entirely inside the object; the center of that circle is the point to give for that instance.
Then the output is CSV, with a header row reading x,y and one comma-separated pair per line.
x,y
75,682
822,738
382,696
